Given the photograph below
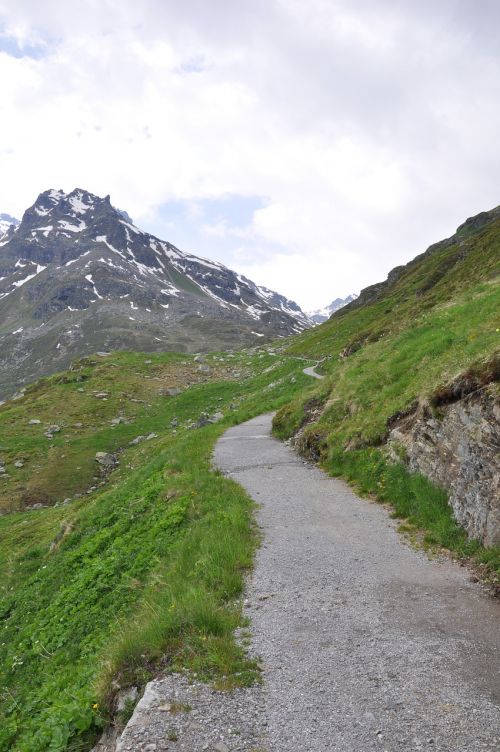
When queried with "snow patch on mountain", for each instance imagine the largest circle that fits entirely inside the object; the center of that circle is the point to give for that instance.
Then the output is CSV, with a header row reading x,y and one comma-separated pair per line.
x,y
78,204
6,222
93,259
64,225
323,314
21,282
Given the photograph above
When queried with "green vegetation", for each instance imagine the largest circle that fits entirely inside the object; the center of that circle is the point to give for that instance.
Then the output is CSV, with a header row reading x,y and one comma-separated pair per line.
x,y
386,376
437,321
423,506
143,567
143,572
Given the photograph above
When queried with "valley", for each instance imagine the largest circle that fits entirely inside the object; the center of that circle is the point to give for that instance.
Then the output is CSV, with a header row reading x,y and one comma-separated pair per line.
x,y
123,555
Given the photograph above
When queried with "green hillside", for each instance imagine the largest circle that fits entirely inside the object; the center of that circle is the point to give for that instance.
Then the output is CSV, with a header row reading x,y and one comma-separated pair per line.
x,y
141,572
440,317
111,570
402,343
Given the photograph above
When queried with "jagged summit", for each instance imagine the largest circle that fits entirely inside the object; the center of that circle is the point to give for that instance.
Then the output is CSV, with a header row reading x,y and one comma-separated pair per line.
x,y
323,314
77,276
6,222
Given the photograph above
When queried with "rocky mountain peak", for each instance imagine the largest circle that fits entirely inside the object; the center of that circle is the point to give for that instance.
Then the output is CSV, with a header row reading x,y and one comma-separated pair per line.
x,y
7,224
323,314
56,206
59,228
77,276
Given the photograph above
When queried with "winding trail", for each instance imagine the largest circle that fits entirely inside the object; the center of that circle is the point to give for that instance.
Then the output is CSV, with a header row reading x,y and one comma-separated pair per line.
x,y
366,643
311,371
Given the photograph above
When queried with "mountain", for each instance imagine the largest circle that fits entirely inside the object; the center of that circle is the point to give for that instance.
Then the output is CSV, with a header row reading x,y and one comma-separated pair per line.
x,y
137,531
323,314
414,376
77,276
5,223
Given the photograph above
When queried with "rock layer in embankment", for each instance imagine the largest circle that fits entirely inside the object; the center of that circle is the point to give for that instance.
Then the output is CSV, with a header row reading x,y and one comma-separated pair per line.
x,y
457,446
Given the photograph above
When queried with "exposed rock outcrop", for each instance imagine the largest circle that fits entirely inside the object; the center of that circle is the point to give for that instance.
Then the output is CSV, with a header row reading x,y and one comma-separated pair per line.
x,y
457,446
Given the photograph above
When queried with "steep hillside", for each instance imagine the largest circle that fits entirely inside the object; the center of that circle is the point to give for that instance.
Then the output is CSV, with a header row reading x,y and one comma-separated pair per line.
x,y
77,277
397,359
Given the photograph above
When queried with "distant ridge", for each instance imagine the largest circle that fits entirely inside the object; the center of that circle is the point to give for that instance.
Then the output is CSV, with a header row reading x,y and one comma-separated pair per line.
x,y
77,276
6,221
323,314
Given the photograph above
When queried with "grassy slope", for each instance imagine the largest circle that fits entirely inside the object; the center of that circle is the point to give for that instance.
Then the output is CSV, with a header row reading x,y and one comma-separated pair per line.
x,y
141,573
145,571
438,319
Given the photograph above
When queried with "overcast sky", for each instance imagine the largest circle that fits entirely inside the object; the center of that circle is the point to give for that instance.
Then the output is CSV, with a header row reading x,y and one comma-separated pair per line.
x,y
310,144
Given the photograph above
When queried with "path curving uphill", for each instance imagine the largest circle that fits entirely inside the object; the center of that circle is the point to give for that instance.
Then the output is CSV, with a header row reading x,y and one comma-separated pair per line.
x,y
311,371
366,643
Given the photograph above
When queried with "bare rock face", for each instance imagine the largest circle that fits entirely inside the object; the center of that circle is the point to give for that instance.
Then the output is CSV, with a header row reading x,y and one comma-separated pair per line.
x,y
459,451
77,277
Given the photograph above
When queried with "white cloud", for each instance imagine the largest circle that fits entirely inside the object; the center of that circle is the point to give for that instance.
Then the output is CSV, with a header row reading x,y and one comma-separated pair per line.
x,y
369,128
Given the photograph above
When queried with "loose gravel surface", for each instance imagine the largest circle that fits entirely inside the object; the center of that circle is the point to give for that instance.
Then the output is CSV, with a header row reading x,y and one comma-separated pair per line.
x,y
311,371
366,643
176,714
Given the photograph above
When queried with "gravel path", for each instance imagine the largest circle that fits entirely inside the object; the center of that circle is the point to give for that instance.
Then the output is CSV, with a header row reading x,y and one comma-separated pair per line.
x,y
310,371
366,643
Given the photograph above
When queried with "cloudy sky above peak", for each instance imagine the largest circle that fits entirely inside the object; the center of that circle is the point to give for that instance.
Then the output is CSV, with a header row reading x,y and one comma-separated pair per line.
x,y
310,144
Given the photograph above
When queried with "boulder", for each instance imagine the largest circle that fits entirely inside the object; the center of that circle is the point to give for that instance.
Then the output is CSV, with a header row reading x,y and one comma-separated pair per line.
x,y
137,440
106,459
